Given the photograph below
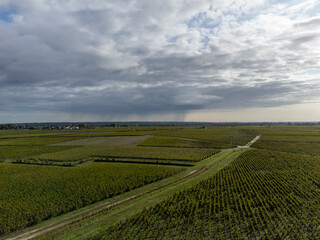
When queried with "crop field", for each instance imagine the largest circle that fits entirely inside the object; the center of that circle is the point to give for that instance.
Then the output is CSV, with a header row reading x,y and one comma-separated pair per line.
x,y
31,194
302,140
293,147
184,163
288,130
228,135
270,191
22,152
129,152
34,140
261,195
292,138
105,141
160,141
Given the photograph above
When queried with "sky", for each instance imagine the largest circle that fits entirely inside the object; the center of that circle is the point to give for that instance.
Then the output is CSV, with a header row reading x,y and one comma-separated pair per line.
x,y
160,60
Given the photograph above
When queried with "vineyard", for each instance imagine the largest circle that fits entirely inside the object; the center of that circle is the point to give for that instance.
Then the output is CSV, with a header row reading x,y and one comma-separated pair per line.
x,y
231,136
302,140
295,147
288,131
129,152
105,141
296,138
261,195
160,141
31,194
146,161
31,141
21,152
270,191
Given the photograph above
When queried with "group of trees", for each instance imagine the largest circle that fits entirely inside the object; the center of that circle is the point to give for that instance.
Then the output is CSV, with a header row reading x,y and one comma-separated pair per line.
x,y
9,126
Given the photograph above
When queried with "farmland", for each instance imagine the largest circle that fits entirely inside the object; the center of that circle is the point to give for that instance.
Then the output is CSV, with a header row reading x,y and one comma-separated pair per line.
x,y
21,152
130,152
302,140
36,193
160,141
295,147
262,194
227,135
31,194
161,183
105,141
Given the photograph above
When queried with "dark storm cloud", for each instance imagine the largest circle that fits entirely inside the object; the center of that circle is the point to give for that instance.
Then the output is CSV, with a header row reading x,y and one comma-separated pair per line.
x,y
99,58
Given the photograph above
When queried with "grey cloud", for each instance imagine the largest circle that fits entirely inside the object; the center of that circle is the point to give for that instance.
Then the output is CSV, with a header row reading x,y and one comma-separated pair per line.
x,y
297,42
309,24
119,58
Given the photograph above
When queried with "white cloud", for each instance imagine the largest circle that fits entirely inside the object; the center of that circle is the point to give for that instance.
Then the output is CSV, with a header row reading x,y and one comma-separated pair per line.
x,y
176,56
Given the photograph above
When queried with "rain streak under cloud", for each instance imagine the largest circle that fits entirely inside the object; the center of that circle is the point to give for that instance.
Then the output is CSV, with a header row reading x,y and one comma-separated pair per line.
x,y
71,60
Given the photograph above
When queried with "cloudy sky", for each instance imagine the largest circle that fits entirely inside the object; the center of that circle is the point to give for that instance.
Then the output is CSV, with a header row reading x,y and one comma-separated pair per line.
x,y
182,60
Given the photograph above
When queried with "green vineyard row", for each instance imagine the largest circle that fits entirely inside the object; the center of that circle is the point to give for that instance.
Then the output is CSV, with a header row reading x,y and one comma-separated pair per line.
x,y
31,194
261,195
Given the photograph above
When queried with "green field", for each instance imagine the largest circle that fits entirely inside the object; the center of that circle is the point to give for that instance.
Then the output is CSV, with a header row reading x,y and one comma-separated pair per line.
x,y
31,194
288,130
105,141
291,138
292,147
22,152
129,152
160,141
214,190
302,140
261,195
228,135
